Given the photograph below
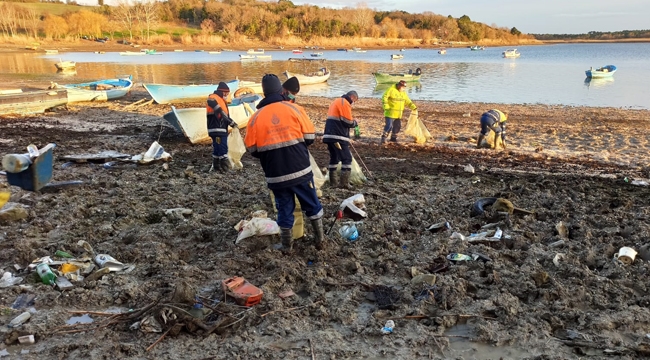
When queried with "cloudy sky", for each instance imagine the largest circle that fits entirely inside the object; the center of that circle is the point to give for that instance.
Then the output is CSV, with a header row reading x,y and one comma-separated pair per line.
x,y
542,16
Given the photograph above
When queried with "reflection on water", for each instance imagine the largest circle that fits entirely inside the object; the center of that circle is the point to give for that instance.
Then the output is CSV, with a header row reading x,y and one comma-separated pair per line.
x,y
544,74
67,72
597,83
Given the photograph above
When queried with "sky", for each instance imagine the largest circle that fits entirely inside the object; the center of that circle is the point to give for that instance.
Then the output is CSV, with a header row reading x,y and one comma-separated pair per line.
x,y
528,16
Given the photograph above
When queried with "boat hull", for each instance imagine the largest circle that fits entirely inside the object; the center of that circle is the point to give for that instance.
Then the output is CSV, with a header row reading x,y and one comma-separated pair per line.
x,y
308,80
600,74
84,92
192,122
383,78
165,94
32,102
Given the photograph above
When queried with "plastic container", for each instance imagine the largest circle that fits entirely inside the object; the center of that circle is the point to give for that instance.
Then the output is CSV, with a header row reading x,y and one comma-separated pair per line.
x,y
46,274
20,319
15,163
349,232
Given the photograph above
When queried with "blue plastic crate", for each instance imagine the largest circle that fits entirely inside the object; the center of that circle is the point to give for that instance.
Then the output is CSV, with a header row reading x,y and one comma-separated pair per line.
x,y
37,175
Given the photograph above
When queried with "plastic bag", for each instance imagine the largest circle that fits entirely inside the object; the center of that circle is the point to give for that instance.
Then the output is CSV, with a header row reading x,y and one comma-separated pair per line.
x,y
356,175
493,140
236,148
256,226
319,178
415,127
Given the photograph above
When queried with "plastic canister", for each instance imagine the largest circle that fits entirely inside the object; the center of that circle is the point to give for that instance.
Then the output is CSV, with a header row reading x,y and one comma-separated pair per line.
x,y
15,163
349,232
46,274
20,319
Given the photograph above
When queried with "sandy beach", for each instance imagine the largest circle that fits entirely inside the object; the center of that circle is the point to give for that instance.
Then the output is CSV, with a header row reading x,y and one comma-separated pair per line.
x,y
573,167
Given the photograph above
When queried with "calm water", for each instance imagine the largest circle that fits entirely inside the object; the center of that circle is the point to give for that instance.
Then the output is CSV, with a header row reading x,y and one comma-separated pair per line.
x,y
549,74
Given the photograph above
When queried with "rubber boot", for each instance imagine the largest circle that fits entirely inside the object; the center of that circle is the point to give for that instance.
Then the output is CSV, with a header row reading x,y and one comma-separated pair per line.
x,y
334,181
345,180
286,238
479,141
225,164
319,233
216,166
383,140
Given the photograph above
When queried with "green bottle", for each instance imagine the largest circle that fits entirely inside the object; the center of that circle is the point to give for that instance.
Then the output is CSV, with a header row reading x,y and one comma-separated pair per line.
x,y
357,132
46,274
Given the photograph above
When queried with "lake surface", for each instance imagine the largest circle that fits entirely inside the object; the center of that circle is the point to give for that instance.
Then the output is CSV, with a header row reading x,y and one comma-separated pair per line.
x,y
546,74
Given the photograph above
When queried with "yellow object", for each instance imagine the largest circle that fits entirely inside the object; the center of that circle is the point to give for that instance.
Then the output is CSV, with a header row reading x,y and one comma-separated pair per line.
x,y
416,128
393,102
298,229
4,197
502,117
68,268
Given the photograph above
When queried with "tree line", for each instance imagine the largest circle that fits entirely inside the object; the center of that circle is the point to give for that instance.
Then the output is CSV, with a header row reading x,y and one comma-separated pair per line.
x,y
253,19
597,35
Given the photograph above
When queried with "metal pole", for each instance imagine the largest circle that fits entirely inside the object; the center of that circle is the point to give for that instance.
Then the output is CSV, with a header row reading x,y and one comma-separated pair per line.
x,y
360,159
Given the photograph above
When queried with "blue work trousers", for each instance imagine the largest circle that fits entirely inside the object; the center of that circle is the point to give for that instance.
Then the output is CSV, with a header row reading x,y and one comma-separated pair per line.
x,y
342,155
219,146
285,202
392,125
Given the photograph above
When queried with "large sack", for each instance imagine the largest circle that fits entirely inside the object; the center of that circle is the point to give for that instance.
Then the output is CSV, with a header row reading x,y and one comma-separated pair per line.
x,y
236,148
415,128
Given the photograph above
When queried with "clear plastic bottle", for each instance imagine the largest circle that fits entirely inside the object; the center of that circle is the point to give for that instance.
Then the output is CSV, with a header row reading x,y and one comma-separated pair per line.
x,y
15,163
349,232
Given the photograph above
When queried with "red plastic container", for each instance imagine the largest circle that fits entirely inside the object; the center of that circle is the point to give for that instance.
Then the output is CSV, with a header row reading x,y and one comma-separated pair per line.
x,y
244,293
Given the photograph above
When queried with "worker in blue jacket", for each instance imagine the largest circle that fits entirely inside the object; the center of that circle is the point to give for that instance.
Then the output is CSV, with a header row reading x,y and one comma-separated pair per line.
x,y
493,120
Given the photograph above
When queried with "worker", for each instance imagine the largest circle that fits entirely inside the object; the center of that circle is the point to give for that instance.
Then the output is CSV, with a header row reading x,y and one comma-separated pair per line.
x,y
278,134
218,122
337,137
291,87
393,101
494,120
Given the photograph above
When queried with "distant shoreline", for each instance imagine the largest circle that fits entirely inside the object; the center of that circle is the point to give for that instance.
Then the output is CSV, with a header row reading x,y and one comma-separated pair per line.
x,y
640,40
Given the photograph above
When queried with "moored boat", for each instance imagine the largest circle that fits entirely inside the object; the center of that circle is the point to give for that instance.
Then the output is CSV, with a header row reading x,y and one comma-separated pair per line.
x,y
191,121
603,72
511,54
396,56
164,94
65,65
255,52
246,57
101,90
32,102
316,54
51,52
442,51
318,77
297,51
387,78
133,53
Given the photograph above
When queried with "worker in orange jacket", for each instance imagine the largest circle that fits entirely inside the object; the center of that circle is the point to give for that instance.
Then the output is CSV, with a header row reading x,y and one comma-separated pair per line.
x,y
218,121
337,137
278,134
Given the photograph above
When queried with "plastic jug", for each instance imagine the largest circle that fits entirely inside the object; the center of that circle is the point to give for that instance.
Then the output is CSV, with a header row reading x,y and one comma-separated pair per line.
x,y
349,232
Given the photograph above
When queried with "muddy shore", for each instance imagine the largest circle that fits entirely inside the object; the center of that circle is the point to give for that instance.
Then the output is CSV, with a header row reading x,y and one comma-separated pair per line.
x,y
573,165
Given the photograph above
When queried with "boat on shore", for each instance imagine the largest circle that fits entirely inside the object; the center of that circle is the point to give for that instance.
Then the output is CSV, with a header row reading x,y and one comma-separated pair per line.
x,y
134,53
318,77
101,90
511,54
388,78
65,65
606,71
191,121
396,56
51,52
165,94
255,52
32,102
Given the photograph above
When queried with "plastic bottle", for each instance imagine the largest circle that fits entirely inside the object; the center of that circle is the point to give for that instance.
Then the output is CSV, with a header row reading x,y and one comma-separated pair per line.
x,y
357,132
349,232
46,274
33,151
15,163
20,319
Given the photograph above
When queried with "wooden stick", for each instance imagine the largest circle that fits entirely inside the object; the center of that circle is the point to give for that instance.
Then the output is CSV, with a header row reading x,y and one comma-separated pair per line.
x,y
290,309
311,345
93,313
135,103
144,104
159,339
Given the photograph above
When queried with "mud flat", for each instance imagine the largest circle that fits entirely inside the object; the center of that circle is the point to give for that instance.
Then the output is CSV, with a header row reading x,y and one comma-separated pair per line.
x,y
565,164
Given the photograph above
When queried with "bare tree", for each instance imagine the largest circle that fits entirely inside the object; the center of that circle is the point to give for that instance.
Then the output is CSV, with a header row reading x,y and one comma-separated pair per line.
x,y
364,17
148,15
32,22
126,15
9,19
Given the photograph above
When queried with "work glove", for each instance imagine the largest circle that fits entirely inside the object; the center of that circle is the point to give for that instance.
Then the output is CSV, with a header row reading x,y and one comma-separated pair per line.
x,y
235,126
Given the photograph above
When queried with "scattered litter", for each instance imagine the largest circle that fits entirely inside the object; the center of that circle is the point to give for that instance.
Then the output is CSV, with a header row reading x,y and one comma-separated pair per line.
x,y
390,159
20,319
27,339
562,229
439,227
556,244
13,212
428,292
457,235
480,204
469,168
475,179
640,183
456,257
155,153
63,254
148,324
178,213
286,294
68,268
101,157
86,246
244,293
626,255
107,261
469,114
354,206
23,301
349,232
497,234
8,279
557,258
388,328
424,279
97,275
63,284
255,227
386,296
46,274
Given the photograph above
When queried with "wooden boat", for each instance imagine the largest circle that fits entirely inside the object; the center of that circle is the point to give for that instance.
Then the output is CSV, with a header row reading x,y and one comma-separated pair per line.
x,y
246,57
396,56
305,59
51,52
511,54
297,51
442,51
603,72
386,78
165,94
255,52
316,54
214,52
318,77
191,121
101,90
133,53
65,65
32,102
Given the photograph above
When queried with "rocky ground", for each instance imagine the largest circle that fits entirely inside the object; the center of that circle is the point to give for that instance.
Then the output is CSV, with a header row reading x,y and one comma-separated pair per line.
x,y
573,166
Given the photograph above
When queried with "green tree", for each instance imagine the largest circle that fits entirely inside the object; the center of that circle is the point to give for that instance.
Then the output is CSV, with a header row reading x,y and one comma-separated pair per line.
x,y
515,32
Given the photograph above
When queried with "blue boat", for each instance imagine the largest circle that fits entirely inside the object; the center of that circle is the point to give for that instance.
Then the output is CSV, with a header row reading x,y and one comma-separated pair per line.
x,y
603,72
101,90
165,94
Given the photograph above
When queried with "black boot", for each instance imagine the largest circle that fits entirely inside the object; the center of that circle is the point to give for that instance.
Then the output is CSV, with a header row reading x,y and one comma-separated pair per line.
x,y
225,164
286,237
345,180
216,166
333,180
319,233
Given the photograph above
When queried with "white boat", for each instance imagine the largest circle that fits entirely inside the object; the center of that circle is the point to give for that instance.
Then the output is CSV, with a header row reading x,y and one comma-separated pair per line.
x,y
442,51
255,52
402,49
101,90
133,53
511,54
191,121
246,57
263,57
255,86
606,71
65,65
178,50
214,52
318,77
396,56
51,52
